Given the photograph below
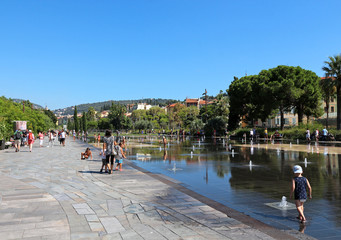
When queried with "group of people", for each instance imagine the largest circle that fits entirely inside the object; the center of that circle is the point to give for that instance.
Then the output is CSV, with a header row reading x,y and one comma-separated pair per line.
x,y
325,136
113,152
23,138
27,138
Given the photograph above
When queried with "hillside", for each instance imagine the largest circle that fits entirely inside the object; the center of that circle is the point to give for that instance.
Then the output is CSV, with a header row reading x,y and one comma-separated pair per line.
x,y
35,106
99,106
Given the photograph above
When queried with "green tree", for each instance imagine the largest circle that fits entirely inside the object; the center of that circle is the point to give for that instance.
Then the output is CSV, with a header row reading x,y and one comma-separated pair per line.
x,y
92,125
70,124
116,115
51,115
217,123
104,123
127,123
333,70
75,120
196,125
84,122
328,91
91,114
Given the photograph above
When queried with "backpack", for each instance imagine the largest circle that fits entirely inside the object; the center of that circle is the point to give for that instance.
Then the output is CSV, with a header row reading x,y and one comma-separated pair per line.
x,y
30,136
17,135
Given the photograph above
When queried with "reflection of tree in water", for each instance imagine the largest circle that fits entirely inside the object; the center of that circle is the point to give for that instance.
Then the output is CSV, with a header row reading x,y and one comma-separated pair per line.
x,y
273,171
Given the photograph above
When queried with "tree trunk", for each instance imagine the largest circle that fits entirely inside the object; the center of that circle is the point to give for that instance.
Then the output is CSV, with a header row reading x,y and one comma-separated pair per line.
x,y
282,119
327,106
338,117
300,115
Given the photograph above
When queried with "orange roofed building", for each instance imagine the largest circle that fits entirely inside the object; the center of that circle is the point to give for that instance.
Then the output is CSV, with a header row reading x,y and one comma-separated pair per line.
x,y
197,102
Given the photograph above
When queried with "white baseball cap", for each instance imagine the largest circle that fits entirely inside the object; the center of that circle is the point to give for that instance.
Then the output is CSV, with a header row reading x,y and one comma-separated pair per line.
x,y
298,169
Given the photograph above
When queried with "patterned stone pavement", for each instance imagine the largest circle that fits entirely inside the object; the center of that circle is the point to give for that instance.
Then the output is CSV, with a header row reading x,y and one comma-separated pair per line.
x,y
51,194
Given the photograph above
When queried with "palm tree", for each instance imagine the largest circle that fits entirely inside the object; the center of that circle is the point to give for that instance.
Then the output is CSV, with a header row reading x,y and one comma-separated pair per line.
x,y
328,91
333,70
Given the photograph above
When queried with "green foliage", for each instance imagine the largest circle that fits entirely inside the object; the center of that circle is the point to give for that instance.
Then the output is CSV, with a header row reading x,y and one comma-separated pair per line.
x,y
92,125
217,123
127,123
116,115
333,70
278,89
51,115
75,120
84,122
11,111
143,125
91,114
196,125
104,123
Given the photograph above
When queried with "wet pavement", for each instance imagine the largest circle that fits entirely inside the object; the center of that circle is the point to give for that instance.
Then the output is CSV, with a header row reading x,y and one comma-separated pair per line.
x,y
51,194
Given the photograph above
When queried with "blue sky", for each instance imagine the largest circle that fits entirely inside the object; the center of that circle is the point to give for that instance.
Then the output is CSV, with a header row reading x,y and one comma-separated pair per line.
x,y
63,53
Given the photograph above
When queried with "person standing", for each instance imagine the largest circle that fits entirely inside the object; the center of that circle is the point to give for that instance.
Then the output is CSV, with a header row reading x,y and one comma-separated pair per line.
x,y
307,135
251,134
164,141
98,139
41,139
299,187
17,140
62,137
30,139
108,145
317,136
51,138
324,133
119,156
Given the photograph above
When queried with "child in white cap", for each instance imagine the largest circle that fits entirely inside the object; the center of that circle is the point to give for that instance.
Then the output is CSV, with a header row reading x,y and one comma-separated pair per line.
x,y
299,188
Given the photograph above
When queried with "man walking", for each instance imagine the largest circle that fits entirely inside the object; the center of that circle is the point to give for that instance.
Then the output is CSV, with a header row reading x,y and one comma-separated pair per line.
x,y
17,139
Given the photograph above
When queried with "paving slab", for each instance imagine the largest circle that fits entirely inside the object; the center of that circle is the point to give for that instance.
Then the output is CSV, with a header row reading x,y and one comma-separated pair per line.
x,y
51,194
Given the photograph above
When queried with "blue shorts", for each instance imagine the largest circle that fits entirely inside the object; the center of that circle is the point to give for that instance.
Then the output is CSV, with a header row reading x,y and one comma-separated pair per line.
x,y
119,161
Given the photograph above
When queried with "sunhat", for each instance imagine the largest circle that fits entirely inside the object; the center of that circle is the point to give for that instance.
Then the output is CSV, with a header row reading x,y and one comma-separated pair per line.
x,y
298,169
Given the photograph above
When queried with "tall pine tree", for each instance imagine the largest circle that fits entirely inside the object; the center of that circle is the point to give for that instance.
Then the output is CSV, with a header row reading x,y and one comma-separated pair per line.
x,y
75,120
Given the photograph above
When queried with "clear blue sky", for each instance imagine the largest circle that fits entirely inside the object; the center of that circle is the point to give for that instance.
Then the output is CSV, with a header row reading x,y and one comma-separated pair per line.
x,y
63,53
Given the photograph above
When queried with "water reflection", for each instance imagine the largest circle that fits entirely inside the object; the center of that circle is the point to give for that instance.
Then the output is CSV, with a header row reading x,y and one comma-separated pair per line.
x,y
221,170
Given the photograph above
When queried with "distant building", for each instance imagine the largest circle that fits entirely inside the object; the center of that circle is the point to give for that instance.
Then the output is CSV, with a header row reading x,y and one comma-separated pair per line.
x,y
196,102
104,114
143,106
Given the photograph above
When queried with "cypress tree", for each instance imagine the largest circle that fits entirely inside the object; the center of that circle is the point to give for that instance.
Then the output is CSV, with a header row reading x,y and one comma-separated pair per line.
x,y
75,119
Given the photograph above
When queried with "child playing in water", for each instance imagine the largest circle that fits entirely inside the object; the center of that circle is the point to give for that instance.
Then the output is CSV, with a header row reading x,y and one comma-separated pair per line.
x,y
299,188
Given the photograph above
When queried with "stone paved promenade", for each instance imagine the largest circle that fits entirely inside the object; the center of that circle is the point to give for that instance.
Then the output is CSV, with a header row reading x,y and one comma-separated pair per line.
x,y
52,194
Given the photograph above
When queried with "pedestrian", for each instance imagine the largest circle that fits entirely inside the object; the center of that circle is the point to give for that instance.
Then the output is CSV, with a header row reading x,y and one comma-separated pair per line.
x,y
251,134
164,140
51,138
17,140
299,188
62,137
108,145
307,135
104,160
119,156
24,137
317,135
266,134
41,139
30,139
98,139
325,133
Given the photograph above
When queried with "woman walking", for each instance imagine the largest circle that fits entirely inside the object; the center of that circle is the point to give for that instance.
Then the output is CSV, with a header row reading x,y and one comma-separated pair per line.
x,y
30,139
108,146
